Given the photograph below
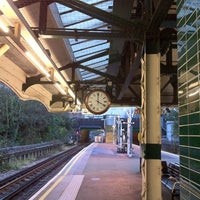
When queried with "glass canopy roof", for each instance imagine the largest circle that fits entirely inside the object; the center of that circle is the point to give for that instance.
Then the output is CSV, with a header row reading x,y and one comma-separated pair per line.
x,y
85,48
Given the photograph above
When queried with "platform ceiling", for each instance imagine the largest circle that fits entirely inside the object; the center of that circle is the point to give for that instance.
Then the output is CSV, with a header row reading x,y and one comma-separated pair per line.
x,y
56,51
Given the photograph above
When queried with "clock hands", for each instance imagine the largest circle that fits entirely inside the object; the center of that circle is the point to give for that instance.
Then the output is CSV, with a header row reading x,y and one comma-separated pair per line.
x,y
97,97
99,101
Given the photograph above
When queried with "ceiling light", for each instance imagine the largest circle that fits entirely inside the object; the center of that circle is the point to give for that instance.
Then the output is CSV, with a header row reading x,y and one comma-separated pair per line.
x,y
41,68
11,12
3,49
2,3
3,27
59,87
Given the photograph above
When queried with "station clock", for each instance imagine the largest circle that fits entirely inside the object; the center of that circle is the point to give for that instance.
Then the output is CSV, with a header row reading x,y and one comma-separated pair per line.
x,y
97,101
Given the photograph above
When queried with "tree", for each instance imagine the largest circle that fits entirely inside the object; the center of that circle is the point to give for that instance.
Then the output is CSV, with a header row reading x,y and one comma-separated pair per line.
x,y
28,122
10,110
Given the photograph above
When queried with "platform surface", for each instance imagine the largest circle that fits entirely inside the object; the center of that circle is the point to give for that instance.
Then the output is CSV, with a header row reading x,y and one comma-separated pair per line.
x,y
110,175
98,173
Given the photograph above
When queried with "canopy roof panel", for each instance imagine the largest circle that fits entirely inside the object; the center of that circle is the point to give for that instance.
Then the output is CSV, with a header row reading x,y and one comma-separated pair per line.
x,y
82,49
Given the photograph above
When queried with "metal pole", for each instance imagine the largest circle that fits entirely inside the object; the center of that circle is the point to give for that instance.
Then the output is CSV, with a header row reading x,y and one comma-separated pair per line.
x,y
119,133
120,136
129,135
114,126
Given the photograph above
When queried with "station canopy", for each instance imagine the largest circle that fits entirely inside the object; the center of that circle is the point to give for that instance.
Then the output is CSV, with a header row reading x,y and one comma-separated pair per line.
x,y
57,51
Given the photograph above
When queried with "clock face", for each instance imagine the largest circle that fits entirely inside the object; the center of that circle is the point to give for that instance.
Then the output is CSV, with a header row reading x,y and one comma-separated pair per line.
x,y
97,101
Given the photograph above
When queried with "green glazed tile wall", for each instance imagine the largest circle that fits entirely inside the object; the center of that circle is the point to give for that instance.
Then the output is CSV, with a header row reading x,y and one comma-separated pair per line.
x,y
188,27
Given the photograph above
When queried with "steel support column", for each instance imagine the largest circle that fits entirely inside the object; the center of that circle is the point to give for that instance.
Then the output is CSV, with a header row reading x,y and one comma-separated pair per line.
x,y
150,113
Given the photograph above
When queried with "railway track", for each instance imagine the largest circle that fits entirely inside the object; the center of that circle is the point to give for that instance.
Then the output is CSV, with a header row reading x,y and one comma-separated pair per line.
x,y
17,183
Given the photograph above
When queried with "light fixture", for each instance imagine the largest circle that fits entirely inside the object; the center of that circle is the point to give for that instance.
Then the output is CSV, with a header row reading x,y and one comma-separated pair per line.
x,y
2,3
11,12
3,49
41,68
3,27
59,87
35,46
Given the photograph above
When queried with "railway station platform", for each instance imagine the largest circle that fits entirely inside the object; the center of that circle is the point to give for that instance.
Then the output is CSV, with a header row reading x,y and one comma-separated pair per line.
x,y
98,172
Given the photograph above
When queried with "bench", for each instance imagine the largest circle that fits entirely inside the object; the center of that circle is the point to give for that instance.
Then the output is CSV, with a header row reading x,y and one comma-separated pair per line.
x,y
170,178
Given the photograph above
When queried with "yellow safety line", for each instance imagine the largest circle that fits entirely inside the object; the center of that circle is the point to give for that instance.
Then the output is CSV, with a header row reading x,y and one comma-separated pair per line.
x,y
60,179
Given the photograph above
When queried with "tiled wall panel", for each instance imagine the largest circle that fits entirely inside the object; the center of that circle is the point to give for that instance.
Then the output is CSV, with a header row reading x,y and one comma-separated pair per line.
x,y
188,26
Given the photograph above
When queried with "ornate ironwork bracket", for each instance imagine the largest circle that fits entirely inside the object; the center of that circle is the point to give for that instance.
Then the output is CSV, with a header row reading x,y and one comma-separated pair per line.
x,y
62,98
34,80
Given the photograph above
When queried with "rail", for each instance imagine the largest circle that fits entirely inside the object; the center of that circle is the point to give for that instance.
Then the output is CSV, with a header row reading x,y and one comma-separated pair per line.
x,y
15,184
